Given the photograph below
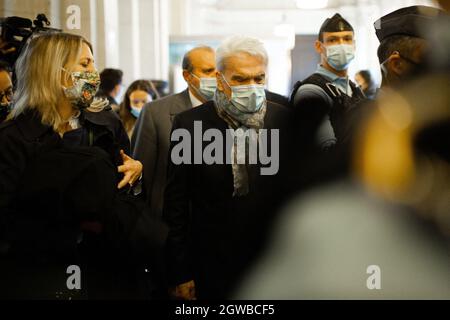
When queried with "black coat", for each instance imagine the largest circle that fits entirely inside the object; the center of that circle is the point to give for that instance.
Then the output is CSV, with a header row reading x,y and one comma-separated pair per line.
x,y
277,98
211,233
25,138
59,205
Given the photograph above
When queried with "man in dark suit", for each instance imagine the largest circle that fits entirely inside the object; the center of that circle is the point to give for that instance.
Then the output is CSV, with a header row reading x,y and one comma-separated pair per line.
x,y
212,208
151,138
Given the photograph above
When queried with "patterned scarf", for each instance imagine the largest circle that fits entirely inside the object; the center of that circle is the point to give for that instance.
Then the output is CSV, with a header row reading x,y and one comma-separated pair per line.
x,y
238,120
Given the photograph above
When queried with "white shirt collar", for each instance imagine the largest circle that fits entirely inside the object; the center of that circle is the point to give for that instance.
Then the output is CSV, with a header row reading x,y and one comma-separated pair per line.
x,y
194,101
74,120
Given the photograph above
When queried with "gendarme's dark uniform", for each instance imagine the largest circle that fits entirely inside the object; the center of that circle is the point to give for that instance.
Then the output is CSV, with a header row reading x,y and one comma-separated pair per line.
x,y
323,92
325,97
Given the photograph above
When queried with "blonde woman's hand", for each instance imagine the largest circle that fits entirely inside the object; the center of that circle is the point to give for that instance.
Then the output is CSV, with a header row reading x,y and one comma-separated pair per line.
x,y
132,170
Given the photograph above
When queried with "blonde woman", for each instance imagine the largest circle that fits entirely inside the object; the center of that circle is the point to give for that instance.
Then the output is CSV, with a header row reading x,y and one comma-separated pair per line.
x,y
64,170
56,84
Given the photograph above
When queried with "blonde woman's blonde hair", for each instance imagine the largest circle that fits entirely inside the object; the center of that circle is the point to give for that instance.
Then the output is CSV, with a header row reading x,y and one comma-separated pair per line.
x,y
39,72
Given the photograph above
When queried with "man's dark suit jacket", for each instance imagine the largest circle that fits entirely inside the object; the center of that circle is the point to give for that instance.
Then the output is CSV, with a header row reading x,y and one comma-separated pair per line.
x,y
150,144
277,98
211,233
151,139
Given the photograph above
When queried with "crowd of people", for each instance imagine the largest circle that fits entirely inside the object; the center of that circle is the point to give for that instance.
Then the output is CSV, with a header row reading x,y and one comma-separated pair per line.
x,y
226,189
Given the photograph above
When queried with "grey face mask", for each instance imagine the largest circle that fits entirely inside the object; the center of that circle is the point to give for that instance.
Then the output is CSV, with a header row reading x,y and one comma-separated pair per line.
x,y
247,98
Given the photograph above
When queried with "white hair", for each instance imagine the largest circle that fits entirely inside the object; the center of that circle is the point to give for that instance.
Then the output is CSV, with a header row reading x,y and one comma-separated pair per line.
x,y
239,44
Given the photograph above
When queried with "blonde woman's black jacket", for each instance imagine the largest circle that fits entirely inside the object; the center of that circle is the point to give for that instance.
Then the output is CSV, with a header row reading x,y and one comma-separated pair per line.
x,y
53,193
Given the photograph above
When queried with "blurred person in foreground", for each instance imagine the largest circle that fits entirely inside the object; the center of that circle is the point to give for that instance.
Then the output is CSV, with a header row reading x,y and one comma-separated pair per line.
x,y
386,225
380,230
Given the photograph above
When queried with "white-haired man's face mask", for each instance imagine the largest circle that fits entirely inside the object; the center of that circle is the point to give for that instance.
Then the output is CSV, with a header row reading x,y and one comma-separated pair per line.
x,y
243,80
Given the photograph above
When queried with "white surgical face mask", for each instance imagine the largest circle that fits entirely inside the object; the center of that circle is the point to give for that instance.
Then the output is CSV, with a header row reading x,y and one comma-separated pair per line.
x,y
247,98
339,56
207,87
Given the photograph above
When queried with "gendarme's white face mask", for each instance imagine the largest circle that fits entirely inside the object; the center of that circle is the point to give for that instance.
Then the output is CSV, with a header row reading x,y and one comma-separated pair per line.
x,y
339,56
247,98
207,87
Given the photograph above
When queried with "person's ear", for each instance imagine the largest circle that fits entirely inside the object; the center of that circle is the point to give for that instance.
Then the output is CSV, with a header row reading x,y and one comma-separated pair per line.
x,y
117,88
319,47
66,80
187,76
396,65
219,81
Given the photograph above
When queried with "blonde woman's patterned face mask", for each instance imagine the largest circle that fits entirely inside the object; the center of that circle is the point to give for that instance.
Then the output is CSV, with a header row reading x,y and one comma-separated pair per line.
x,y
85,86
85,80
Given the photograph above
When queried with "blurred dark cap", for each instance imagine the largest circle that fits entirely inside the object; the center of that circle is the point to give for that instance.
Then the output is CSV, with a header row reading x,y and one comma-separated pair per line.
x,y
412,21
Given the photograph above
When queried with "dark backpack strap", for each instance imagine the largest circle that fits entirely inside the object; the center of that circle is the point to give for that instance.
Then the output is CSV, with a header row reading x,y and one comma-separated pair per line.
x,y
297,85
316,79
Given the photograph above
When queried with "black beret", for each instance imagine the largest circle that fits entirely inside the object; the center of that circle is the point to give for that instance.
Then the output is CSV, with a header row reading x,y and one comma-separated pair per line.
x,y
410,21
335,24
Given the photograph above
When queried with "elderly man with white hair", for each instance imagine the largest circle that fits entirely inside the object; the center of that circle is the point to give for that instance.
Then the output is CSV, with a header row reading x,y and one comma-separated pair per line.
x,y
211,206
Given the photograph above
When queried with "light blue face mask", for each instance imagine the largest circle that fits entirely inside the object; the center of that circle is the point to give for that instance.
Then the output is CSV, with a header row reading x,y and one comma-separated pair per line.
x,y
247,98
135,111
207,87
339,56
